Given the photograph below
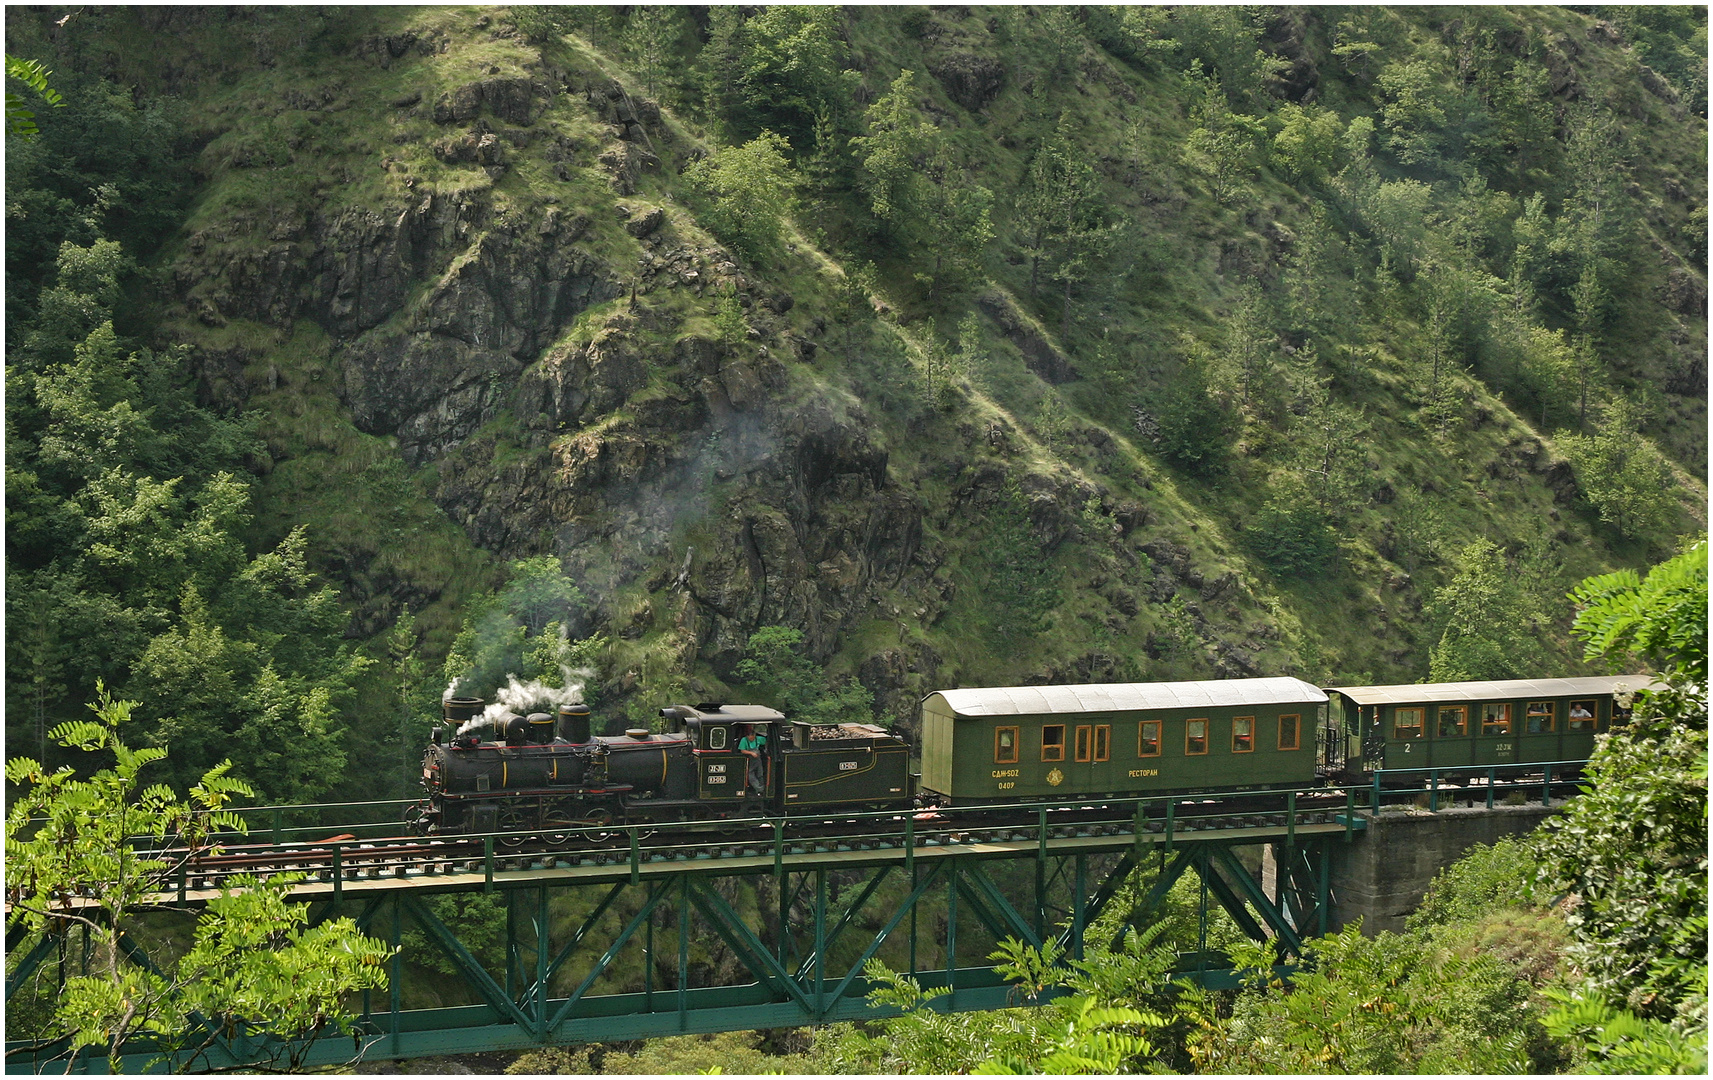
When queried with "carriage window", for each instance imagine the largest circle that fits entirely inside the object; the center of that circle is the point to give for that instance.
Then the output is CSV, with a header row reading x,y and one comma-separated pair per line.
x,y
1148,739
1407,723
1582,714
1453,721
1540,718
1085,742
1496,719
1195,737
1242,734
1005,746
1053,742
1290,728
717,737
1102,742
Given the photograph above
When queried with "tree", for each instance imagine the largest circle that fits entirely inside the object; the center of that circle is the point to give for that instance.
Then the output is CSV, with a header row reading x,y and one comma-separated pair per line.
x,y
1589,300
1548,367
888,155
1187,423
1486,620
917,192
782,70
1389,1004
957,226
1623,477
1629,856
1326,437
71,860
942,368
651,32
1225,41
1058,194
1222,145
1095,1029
407,672
1412,107
518,631
1309,142
1291,534
541,23
128,508
751,191
730,326
719,69
776,666
1251,345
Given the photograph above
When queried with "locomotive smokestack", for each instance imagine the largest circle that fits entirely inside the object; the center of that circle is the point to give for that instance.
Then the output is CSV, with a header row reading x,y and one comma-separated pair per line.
x,y
459,710
574,723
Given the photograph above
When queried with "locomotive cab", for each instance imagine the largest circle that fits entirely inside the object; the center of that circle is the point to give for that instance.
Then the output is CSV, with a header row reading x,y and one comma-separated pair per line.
x,y
715,730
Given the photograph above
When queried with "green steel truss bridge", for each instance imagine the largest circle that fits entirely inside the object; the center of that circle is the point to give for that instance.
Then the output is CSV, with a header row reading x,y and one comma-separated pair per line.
x,y
634,931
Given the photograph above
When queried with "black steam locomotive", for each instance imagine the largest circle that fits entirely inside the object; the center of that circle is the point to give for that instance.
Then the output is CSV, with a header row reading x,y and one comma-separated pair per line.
x,y
545,772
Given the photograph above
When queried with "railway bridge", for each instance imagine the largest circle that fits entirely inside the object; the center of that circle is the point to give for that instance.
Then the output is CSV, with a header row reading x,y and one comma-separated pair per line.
x,y
636,931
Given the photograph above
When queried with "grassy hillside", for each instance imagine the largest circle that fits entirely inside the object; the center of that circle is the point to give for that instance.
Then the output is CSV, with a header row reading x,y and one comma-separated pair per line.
x,y
1112,344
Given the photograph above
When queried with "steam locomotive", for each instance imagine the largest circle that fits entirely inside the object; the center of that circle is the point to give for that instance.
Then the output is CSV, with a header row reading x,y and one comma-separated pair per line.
x,y
546,773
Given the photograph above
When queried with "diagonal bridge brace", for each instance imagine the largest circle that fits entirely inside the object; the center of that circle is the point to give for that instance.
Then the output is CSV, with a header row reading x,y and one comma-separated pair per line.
x,y
474,973
1097,903
807,967
655,896
46,944
984,896
570,946
1228,899
909,905
760,962
1252,890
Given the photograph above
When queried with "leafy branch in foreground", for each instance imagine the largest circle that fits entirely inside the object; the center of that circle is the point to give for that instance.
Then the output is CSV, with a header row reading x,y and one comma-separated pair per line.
x,y
20,120
1630,855
1093,1024
88,853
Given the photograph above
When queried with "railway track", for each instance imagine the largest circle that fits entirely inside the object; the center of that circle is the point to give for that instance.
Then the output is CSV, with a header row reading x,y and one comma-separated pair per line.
x,y
346,857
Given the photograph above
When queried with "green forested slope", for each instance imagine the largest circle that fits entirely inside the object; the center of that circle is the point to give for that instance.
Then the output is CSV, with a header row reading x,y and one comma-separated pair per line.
x,y
1107,344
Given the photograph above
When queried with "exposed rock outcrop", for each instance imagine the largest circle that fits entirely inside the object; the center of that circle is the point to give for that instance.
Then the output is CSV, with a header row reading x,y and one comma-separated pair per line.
x,y
970,79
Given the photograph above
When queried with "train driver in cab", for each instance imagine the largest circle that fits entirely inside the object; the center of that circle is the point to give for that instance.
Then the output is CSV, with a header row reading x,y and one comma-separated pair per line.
x,y
752,745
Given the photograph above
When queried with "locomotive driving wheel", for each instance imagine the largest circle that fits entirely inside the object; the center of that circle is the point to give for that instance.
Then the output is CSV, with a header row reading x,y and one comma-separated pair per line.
x,y
512,819
596,817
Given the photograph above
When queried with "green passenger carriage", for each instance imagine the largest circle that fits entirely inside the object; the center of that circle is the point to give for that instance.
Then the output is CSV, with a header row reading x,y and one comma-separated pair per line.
x,y
998,743
1509,722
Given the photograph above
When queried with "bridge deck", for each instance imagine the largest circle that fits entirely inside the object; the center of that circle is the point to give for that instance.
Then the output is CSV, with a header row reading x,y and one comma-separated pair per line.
x,y
563,871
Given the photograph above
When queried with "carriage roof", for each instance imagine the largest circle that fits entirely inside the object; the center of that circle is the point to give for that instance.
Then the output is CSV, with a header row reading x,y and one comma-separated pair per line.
x,y
1128,697
1498,690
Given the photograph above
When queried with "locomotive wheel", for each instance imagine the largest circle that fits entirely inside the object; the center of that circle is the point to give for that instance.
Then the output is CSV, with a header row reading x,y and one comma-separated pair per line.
x,y
514,819
596,817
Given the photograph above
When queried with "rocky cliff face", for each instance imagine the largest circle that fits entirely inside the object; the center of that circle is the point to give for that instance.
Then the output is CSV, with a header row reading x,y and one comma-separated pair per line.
x,y
547,369
517,301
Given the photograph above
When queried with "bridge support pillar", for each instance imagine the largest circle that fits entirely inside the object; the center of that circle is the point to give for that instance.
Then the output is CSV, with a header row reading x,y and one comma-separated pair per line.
x,y
1382,874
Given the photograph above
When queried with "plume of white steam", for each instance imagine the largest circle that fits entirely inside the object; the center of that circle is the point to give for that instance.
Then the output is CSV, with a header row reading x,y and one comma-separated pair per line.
x,y
518,698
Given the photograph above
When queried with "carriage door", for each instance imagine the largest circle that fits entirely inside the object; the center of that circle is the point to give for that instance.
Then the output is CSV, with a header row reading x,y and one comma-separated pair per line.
x,y
1092,749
